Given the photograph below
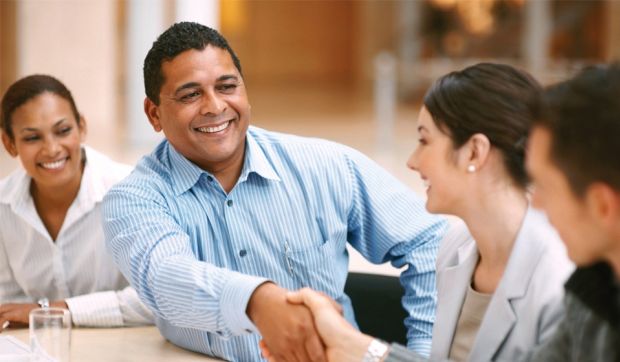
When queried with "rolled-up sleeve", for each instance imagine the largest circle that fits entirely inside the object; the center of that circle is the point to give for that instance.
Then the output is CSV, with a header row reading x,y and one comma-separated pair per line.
x,y
379,205
155,254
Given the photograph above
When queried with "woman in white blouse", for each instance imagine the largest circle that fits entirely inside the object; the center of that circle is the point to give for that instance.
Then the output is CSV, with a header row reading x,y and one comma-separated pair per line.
x,y
52,248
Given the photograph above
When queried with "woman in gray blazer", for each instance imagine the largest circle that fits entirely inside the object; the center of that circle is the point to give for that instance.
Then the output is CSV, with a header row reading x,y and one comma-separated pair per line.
x,y
499,290
500,274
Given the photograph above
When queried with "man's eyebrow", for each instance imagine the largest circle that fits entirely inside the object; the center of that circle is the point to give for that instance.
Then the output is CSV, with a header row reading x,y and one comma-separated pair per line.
x,y
186,85
222,78
227,77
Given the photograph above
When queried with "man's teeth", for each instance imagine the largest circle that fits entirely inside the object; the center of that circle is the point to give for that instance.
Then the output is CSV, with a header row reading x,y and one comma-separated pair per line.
x,y
54,165
214,129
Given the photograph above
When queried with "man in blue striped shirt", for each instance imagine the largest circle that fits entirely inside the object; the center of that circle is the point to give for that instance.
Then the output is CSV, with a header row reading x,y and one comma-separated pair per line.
x,y
216,224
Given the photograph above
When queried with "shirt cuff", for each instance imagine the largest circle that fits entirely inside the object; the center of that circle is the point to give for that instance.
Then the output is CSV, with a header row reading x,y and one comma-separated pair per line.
x,y
95,310
421,345
234,301
399,353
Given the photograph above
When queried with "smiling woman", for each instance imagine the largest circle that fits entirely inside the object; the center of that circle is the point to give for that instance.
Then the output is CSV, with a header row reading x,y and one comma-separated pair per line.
x,y
51,240
47,138
499,280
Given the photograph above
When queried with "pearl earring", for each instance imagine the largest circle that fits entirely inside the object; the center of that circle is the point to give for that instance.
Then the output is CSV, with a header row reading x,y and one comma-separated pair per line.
x,y
471,168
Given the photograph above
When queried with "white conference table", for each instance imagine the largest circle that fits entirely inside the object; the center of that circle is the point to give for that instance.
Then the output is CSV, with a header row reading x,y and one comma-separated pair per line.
x,y
120,345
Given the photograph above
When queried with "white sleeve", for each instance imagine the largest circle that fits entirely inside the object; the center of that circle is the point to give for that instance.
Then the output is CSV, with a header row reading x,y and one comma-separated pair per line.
x,y
109,309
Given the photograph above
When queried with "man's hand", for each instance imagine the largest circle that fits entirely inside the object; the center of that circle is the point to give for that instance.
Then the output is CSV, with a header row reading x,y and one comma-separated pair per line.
x,y
344,343
18,313
288,330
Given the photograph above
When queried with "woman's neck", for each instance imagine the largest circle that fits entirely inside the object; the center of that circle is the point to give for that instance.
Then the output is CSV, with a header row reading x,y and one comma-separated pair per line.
x,y
52,203
494,220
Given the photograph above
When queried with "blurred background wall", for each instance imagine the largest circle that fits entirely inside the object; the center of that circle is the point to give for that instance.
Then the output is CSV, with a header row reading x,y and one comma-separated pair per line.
x,y
350,71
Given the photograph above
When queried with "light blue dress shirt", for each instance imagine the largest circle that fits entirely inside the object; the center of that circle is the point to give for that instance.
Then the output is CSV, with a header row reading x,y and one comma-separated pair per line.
x,y
195,254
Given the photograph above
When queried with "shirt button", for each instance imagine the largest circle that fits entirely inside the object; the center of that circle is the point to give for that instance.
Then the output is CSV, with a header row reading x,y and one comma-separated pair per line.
x,y
229,202
243,253
209,178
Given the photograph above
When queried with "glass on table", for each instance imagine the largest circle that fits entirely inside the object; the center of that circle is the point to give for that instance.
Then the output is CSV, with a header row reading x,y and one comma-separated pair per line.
x,y
50,334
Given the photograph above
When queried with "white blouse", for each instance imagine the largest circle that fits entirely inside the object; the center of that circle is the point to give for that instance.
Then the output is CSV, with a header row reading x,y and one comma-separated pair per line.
x,y
76,267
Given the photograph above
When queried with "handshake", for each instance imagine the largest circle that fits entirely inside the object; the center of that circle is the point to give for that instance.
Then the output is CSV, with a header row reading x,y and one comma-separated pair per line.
x,y
304,326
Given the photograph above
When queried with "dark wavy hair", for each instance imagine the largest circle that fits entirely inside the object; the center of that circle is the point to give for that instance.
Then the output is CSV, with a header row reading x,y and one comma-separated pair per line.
x,y
174,41
496,100
28,88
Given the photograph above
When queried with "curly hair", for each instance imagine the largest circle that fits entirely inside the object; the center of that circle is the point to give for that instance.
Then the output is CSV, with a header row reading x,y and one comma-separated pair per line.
x,y
174,41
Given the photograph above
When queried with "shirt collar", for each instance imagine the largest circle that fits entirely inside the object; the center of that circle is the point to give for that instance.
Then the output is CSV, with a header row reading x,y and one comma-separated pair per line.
x,y
92,190
256,161
92,187
185,174
17,188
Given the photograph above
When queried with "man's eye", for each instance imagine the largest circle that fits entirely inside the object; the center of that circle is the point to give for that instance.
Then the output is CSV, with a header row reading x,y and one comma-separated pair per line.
x,y
64,130
227,87
190,96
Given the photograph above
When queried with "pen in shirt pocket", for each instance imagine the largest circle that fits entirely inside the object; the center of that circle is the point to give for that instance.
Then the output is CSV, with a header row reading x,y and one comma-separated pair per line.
x,y
287,251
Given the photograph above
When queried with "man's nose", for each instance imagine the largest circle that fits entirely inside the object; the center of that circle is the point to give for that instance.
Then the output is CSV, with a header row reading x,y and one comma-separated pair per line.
x,y
212,103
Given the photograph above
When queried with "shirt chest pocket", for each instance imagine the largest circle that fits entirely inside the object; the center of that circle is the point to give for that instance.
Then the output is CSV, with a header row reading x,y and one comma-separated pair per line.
x,y
318,261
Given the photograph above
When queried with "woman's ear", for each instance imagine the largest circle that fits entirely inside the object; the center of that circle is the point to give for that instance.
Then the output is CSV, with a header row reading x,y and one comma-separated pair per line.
x,y
83,127
474,153
9,144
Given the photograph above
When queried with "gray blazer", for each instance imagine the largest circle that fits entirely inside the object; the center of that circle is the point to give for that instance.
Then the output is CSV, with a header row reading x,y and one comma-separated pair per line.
x,y
527,304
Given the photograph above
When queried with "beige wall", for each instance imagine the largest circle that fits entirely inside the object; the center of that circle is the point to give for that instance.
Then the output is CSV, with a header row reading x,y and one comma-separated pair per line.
x,y
376,32
75,41
288,41
613,33
8,44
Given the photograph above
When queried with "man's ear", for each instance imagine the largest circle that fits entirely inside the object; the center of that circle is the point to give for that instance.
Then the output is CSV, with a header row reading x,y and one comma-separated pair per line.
x,y
475,152
9,144
603,204
152,112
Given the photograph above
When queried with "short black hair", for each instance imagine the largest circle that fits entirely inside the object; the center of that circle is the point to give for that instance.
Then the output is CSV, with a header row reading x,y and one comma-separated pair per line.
x,y
28,88
174,41
582,115
496,100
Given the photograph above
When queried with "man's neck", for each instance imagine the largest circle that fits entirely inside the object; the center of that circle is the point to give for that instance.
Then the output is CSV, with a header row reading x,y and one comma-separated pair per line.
x,y
228,178
614,261
228,174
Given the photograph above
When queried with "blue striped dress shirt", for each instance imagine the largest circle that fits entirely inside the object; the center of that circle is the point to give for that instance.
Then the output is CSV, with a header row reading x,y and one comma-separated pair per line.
x,y
195,254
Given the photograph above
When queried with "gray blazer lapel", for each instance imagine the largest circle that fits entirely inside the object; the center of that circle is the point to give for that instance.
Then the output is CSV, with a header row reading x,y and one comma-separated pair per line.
x,y
452,283
500,318
497,323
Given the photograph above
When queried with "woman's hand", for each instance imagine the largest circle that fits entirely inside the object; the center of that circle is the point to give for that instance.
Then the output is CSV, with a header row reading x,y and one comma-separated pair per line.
x,y
17,314
344,343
